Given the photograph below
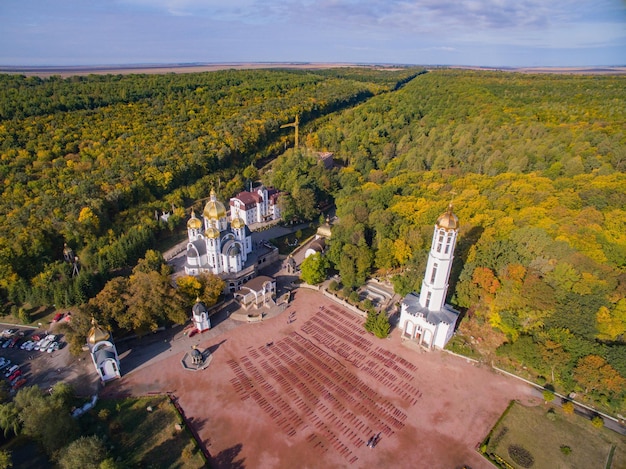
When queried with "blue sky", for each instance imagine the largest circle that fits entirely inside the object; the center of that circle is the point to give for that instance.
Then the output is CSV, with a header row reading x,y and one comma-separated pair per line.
x,y
452,32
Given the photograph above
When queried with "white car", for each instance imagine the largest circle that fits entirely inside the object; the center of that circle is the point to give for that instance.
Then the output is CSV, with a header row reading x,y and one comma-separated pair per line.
x,y
10,371
53,347
25,345
44,345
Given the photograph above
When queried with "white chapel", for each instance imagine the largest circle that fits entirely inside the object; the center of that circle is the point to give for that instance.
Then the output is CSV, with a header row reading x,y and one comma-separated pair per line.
x,y
425,318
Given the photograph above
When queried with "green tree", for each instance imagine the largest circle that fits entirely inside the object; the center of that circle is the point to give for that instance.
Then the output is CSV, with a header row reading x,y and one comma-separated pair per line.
x,y
370,321
86,452
45,419
314,268
382,326
24,316
6,462
10,419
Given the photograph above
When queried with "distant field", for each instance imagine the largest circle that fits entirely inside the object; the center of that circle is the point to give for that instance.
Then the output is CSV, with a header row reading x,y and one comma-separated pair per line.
x,y
194,68
161,68
543,439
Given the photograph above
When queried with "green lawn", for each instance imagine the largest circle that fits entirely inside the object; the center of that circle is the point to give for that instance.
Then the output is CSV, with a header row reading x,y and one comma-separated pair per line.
x,y
543,438
145,439
282,242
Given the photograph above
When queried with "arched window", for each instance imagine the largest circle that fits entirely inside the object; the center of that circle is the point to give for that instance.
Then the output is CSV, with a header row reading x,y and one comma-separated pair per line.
x,y
440,240
427,299
433,274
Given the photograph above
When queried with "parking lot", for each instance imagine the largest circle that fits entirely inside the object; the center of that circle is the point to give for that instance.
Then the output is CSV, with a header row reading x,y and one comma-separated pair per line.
x,y
44,367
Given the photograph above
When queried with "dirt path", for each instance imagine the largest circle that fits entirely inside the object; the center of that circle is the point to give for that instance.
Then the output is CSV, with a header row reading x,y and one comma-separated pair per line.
x,y
310,393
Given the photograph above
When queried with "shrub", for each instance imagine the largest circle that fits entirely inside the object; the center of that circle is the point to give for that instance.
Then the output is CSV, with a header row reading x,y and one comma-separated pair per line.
x,y
104,414
597,421
333,285
566,449
354,297
568,407
548,395
24,316
551,415
521,456
188,452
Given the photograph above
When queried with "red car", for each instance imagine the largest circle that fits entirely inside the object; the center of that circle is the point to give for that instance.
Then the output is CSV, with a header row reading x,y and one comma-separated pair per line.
x,y
19,384
15,375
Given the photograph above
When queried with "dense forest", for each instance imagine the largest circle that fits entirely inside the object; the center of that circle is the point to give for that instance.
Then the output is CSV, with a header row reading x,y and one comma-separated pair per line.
x,y
86,161
534,165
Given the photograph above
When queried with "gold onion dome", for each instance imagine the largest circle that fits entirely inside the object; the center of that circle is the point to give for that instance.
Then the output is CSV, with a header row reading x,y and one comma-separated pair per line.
x,y
448,220
212,232
237,223
194,223
214,209
97,334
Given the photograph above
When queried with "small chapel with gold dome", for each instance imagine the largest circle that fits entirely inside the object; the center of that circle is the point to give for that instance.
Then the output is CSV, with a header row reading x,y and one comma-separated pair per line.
x,y
224,247
103,353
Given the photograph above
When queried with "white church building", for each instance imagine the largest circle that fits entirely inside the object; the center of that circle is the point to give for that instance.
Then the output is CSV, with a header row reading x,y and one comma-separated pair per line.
x,y
225,248
425,318
215,245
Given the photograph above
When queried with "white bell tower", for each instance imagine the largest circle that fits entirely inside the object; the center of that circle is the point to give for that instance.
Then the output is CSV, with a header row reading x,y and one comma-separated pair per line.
x,y
435,284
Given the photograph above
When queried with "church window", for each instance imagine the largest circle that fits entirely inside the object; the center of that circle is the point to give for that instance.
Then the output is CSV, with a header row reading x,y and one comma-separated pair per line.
x,y
427,299
448,243
433,275
440,241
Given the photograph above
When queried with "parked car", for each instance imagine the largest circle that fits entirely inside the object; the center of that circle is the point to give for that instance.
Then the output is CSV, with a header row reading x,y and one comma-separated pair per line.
x,y
44,344
14,375
5,365
53,347
18,384
25,344
57,317
11,370
6,343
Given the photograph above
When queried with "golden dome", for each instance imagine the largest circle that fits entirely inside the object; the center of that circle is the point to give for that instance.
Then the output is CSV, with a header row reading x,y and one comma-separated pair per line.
x,y
212,232
448,220
237,223
214,209
194,223
97,334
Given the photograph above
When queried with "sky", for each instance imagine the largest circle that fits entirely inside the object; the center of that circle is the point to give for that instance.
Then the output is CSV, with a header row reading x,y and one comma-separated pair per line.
x,y
493,33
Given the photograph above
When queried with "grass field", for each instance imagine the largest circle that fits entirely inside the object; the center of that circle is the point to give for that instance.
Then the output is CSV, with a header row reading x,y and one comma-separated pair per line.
x,y
145,439
560,442
282,242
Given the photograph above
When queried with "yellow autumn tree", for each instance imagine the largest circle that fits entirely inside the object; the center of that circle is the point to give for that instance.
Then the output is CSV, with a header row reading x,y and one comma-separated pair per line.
x,y
611,325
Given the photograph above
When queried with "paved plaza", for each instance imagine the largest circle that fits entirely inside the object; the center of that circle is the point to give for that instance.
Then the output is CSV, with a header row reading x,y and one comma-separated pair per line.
x,y
309,387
